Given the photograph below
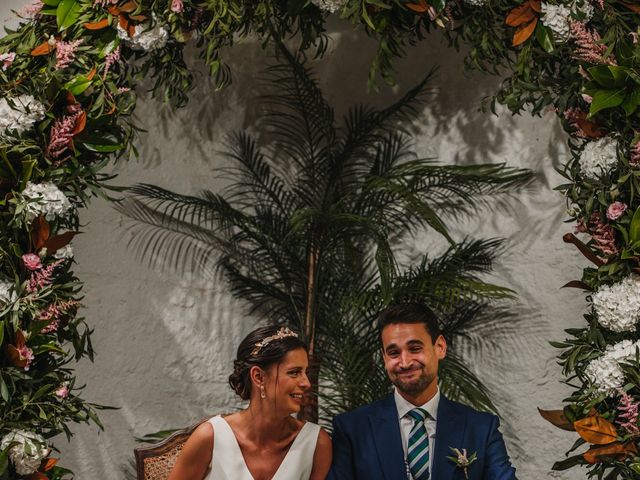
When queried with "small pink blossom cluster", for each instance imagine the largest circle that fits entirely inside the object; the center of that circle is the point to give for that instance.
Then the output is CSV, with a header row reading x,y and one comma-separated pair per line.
x,y
628,417
616,210
603,235
7,60
26,354
53,314
31,10
589,47
62,132
66,53
634,155
43,277
109,60
103,3
31,261
177,6
62,391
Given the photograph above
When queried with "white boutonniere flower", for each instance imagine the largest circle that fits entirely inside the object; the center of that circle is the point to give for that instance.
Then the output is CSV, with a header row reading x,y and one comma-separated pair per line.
x,y
462,460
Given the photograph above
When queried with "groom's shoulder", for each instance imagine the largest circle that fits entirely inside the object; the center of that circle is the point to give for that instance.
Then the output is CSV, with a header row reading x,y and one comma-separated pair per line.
x,y
364,411
471,413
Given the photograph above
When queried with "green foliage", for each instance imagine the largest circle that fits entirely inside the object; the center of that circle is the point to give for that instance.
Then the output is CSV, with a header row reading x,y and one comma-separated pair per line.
x,y
307,228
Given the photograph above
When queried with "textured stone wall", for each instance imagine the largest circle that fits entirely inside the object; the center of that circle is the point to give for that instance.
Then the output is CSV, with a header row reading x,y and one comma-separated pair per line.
x,y
165,341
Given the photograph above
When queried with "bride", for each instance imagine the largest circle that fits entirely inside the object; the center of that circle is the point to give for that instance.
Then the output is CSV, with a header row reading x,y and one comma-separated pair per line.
x,y
263,442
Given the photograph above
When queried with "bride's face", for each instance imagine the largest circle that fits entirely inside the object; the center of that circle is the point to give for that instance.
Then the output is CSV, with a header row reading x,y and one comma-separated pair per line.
x,y
287,382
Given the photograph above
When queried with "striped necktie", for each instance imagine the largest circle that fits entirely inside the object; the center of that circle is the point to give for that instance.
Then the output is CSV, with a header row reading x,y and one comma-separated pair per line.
x,y
418,448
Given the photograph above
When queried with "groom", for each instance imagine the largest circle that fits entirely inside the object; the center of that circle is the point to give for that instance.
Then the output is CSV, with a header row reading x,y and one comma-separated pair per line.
x,y
410,433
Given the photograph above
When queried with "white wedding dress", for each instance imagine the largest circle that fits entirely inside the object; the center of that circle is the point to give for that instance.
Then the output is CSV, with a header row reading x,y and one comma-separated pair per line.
x,y
228,462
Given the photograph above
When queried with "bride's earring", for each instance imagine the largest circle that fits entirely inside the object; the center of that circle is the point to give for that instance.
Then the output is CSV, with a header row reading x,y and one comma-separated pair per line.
x,y
262,392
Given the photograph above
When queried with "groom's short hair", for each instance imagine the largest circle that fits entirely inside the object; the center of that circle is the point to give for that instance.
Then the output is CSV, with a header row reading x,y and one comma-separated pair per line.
x,y
410,313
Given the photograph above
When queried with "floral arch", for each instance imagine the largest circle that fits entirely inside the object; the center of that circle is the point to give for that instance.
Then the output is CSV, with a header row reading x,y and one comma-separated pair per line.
x,y
67,76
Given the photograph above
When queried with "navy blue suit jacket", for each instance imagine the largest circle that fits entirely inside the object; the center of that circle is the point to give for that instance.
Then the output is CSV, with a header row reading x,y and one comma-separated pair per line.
x,y
367,444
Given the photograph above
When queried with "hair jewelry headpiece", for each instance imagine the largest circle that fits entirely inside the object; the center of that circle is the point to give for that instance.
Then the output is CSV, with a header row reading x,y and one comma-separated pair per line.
x,y
283,332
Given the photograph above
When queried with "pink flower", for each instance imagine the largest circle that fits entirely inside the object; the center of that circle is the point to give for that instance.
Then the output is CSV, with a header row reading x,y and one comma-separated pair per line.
x,y
31,10
26,354
615,210
587,98
63,131
589,45
628,418
109,60
177,6
31,261
63,390
634,156
42,278
7,59
54,312
66,53
603,235
580,227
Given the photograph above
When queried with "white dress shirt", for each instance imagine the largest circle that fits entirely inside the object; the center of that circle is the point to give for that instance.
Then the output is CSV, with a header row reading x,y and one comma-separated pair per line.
x,y
406,423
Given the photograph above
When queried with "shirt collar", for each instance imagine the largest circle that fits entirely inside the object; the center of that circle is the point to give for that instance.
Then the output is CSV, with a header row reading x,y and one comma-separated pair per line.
x,y
403,406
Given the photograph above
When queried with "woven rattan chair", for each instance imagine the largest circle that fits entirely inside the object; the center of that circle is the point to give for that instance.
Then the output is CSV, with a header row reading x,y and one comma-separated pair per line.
x,y
154,462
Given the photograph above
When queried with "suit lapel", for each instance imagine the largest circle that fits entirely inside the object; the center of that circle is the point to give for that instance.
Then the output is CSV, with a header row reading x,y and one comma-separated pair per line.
x,y
450,428
386,433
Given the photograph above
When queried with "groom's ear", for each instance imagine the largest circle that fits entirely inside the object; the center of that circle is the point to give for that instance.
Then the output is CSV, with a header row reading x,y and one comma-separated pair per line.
x,y
440,346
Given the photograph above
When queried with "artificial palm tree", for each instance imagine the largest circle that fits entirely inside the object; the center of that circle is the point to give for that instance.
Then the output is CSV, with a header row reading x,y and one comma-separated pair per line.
x,y
306,230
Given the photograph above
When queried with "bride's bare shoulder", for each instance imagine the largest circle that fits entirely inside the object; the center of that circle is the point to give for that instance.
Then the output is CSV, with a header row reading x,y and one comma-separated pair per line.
x,y
195,458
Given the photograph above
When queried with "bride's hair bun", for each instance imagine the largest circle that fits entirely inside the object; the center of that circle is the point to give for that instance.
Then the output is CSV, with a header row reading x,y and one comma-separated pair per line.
x,y
248,356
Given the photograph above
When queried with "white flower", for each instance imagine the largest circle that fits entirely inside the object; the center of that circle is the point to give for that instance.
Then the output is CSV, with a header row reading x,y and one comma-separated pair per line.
x,y
582,10
618,305
64,252
28,453
331,6
18,114
7,294
556,18
145,38
598,157
605,371
45,199
477,3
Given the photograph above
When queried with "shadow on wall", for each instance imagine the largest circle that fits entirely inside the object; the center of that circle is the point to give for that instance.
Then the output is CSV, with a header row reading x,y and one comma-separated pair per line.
x,y
451,123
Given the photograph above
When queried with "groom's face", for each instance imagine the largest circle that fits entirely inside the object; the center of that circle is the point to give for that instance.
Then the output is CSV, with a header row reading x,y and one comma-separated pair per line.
x,y
411,358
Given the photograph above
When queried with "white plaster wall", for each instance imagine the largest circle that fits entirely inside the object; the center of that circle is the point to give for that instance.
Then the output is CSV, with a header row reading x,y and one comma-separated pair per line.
x,y
165,342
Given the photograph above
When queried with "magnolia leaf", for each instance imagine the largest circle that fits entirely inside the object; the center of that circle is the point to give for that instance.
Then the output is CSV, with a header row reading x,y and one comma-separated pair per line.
x,y
129,7
591,129
536,5
557,418
619,450
40,232
596,430
603,99
417,7
80,124
43,49
104,23
609,76
634,227
365,17
14,357
523,33
632,6
575,284
56,243
48,464
67,13
37,475
519,15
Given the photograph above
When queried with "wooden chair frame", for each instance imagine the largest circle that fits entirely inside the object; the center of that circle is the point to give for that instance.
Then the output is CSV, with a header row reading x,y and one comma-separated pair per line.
x,y
177,438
